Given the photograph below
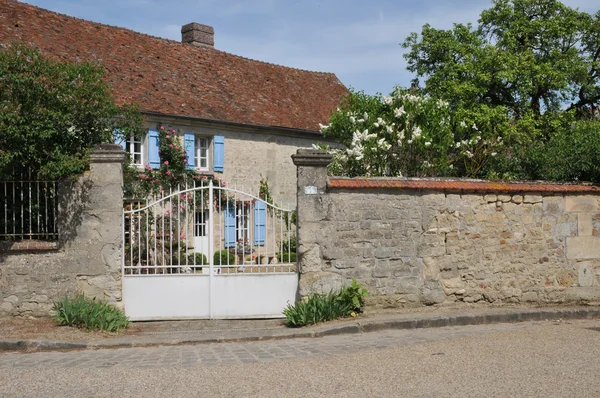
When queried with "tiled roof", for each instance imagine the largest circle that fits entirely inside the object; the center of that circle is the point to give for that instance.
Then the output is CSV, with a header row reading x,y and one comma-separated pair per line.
x,y
169,77
459,185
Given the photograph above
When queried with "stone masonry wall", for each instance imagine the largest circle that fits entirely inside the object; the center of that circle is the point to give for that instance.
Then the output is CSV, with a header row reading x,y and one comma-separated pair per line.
x,y
86,259
414,242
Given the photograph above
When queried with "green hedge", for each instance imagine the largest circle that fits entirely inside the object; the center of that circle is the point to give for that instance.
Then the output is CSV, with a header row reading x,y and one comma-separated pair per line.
x,y
223,257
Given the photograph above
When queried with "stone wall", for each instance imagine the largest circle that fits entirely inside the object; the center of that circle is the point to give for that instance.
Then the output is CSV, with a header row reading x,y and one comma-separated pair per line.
x,y
415,241
87,257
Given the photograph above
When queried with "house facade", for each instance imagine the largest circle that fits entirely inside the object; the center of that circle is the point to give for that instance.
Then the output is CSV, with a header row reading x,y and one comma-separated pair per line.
x,y
242,118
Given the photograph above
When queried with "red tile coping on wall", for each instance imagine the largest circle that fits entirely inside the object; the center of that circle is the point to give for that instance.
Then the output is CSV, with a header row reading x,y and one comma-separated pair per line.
x,y
459,185
28,245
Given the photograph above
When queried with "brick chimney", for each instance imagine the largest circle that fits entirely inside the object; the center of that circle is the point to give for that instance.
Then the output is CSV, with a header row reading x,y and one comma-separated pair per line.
x,y
198,35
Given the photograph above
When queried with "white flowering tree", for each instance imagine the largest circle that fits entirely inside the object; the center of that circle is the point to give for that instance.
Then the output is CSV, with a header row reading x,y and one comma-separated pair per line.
x,y
406,134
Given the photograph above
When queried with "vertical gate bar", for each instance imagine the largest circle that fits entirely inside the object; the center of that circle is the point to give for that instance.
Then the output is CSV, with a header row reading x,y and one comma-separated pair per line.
x,y
38,229
123,243
221,228
281,237
186,223
289,234
46,207
22,210
170,260
14,205
178,235
155,223
147,234
29,186
251,222
139,227
5,209
210,248
162,236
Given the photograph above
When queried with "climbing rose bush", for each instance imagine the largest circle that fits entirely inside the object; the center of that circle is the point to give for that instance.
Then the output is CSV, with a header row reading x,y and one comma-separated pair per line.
x,y
406,134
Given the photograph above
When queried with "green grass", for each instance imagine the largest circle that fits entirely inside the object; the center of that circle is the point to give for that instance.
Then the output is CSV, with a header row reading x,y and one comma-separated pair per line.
x,y
91,314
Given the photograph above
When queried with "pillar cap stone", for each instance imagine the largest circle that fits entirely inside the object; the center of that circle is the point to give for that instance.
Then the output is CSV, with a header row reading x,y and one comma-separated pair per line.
x,y
311,158
108,153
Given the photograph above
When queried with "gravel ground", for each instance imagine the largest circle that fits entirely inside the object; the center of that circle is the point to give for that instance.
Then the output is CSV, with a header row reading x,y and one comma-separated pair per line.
x,y
543,359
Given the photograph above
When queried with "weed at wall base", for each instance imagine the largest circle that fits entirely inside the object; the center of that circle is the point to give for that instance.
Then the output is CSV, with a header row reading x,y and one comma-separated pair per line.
x,y
89,314
321,308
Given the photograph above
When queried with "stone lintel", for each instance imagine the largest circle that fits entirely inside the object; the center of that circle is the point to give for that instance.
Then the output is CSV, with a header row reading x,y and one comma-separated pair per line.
x,y
108,153
311,158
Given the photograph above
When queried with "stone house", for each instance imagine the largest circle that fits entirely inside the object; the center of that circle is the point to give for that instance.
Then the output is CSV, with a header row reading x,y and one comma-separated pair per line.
x,y
241,118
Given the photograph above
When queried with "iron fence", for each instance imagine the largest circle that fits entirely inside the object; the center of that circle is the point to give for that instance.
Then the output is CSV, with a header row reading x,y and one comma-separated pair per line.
x,y
29,211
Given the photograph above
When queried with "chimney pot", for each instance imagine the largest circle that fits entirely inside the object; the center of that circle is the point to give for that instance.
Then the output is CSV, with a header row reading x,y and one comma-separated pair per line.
x,y
198,35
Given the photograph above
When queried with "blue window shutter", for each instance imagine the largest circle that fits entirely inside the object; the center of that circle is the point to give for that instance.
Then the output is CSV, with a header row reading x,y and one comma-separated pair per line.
x,y
219,153
230,226
153,145
260,222
119,139
189,142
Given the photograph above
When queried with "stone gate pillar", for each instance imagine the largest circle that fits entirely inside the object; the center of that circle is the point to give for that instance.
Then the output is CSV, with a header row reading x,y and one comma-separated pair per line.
x,y
313,209
96,244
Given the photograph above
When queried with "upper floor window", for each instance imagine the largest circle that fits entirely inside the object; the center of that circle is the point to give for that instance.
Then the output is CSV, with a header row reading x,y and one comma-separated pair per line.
x,y
201,153
134,147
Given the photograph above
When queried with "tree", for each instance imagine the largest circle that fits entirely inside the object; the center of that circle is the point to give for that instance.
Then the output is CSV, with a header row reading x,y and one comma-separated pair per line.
x,y
525,60
53,113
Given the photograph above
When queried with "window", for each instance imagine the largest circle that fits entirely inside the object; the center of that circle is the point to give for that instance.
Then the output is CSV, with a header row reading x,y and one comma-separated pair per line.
x,y
200,223
201,153
241,221
134,147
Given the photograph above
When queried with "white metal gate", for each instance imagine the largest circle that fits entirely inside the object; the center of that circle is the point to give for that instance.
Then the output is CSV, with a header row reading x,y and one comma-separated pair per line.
x,y
208,251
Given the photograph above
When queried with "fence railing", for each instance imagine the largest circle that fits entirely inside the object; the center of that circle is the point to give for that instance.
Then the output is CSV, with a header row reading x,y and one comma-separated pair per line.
x,y
193,229
29,210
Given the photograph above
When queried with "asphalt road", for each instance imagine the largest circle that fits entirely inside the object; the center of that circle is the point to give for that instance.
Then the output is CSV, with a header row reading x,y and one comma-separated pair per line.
x,y
542,359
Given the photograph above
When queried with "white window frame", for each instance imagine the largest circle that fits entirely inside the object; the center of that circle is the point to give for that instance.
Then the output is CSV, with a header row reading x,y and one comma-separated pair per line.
x,y
131,144
242,223
201,224
197,152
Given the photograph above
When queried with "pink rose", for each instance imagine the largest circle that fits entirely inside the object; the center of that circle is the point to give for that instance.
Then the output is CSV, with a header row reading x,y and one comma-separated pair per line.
x,y
168,173
166,162
162,127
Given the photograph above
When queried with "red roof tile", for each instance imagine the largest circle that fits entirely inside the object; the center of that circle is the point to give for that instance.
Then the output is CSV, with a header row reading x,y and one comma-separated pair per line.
x,y
169,77
459,185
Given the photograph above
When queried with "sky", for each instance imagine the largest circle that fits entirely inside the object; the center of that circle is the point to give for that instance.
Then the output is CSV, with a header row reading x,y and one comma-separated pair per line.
x,y
357,40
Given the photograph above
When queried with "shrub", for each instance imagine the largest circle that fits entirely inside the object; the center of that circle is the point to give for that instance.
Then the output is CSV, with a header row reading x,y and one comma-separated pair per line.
x,y
200,259
223,257
321,308
286,257
572,155
90,314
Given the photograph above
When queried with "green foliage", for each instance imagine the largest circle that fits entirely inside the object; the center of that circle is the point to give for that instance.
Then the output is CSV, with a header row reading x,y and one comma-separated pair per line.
x,y
264,192
526,56
197,259
410,134
90,314
224,257
321,308
286,257
54,112
354,294
502,100
571,156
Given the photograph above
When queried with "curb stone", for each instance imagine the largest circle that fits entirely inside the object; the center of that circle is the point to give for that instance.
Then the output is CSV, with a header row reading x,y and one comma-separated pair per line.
x,y
360,326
